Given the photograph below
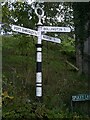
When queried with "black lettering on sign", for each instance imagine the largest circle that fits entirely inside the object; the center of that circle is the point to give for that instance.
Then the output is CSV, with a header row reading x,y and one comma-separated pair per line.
x,y
17,28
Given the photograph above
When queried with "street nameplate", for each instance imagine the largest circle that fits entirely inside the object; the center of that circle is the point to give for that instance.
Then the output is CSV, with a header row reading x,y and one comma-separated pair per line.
x,y
55,29
35,33
81,97
51,39
24,30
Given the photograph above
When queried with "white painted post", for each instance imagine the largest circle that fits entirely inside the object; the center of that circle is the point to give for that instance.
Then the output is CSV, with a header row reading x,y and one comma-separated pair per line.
x,y
39,55
40,13
39,65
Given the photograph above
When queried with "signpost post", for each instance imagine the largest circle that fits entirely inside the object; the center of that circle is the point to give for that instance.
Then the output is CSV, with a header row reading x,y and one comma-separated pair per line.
x,y
39,65
40,13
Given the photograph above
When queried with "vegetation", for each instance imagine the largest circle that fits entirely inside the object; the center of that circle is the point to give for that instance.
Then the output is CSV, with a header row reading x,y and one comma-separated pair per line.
x,y
24,111
60,79
82,28
19,80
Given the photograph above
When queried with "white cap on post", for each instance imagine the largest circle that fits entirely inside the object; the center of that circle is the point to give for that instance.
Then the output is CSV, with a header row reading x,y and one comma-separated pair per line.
x,y
40,13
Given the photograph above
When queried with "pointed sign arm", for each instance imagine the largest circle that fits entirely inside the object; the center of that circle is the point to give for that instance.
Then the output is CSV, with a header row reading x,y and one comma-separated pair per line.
x,y
55,29
34,33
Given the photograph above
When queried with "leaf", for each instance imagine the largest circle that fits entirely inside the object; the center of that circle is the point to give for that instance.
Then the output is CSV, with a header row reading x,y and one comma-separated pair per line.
x,y
5,94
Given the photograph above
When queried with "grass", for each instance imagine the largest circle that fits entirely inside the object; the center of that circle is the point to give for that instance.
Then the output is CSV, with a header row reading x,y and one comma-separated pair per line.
x,y
60,81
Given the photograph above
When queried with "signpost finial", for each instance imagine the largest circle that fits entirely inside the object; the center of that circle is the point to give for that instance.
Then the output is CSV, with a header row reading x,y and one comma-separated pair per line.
x,y
40,13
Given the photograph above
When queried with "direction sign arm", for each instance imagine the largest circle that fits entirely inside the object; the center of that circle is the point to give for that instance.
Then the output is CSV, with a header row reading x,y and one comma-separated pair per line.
x,y
55,29
51,39
24,30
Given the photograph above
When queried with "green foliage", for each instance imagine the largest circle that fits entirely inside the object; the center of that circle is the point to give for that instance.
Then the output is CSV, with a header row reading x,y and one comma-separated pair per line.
x,y
22,110
81,21
18,64
59,83
68,44
68,48
19,78
18,13
81,17
23,14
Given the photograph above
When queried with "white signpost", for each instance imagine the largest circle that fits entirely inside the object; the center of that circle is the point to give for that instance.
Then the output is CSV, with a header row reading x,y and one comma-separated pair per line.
x,y
24,30
55,29
35,33
39,44
51,39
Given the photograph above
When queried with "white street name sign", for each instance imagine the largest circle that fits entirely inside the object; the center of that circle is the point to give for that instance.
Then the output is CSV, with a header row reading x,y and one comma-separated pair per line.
x,y
55,29
51,39
24,30
35,33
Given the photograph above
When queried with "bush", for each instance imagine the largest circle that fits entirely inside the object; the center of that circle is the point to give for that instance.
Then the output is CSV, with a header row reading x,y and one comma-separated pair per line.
x,y
68,45
23,110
